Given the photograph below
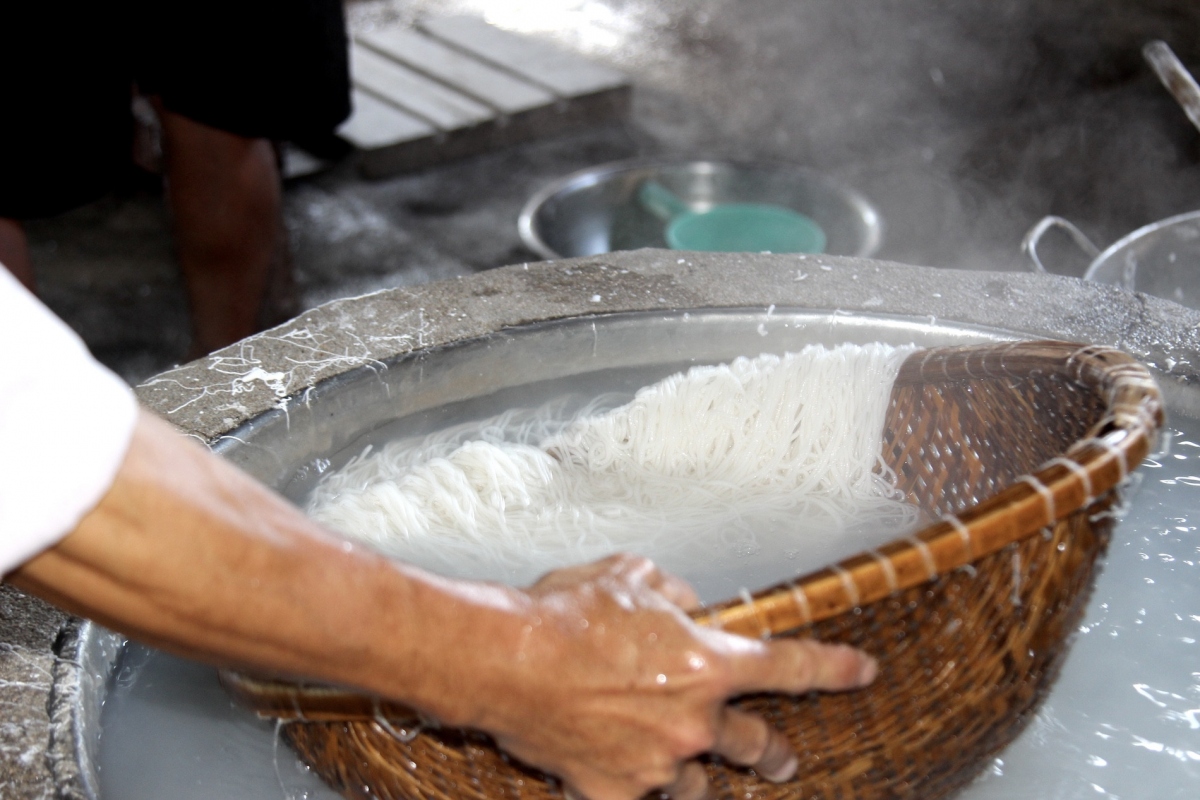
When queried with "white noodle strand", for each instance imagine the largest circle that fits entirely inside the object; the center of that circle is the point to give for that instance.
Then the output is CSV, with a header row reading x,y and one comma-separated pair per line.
x,y
700,466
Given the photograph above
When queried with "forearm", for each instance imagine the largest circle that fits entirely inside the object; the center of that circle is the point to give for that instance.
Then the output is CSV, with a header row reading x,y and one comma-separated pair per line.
x,y
187,553
594,673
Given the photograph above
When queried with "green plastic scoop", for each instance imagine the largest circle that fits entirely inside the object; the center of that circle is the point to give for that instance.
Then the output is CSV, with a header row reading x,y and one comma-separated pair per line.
x,y
731,227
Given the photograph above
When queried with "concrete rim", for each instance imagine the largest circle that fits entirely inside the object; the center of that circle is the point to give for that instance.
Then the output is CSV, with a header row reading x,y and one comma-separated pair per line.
x,y
210,397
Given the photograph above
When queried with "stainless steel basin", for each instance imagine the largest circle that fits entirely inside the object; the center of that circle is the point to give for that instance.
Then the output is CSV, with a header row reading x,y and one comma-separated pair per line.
x,y
427,354
597,210
477,377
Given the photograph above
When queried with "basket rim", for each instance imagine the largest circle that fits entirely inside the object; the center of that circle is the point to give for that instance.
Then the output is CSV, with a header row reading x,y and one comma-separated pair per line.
x,y
1064,485
1088,470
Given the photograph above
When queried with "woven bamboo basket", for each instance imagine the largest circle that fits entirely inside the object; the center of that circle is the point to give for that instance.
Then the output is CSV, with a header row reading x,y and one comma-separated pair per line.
x,y
1013,452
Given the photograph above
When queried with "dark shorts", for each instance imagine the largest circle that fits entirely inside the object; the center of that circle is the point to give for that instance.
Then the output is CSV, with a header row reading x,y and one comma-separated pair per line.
x,y
258,68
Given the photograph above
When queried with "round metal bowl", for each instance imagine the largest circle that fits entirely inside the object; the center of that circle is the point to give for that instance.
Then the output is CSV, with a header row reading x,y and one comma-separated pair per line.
x,y
1162,258
597,210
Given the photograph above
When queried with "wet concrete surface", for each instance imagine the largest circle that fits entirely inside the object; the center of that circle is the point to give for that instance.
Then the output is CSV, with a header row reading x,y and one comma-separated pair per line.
x,y
28,630
964,122
210,397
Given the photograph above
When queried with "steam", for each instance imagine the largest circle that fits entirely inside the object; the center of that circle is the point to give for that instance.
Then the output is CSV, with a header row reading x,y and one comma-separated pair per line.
x,y
965,122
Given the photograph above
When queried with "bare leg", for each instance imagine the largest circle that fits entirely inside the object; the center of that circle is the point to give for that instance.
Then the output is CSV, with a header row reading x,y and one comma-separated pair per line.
x,y
224,193
14,252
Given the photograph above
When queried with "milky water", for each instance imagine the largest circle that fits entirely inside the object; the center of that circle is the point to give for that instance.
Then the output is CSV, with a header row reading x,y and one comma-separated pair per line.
x,y
168,730
1123,720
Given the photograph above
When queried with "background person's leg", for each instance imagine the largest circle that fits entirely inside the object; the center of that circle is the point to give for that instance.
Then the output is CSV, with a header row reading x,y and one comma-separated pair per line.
x,y
225,197
14,252
231,76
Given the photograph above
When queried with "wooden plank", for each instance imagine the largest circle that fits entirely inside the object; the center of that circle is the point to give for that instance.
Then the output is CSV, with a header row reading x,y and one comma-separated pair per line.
x,y
501,90
414,93
374,124
583,113
423,98
564,73
382,162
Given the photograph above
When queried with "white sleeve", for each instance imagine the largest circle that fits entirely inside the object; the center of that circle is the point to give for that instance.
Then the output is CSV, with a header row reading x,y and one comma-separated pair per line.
x,y
65,425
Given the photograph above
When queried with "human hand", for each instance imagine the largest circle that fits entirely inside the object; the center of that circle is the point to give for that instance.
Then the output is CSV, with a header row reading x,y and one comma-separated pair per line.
x,y
613,688
594,673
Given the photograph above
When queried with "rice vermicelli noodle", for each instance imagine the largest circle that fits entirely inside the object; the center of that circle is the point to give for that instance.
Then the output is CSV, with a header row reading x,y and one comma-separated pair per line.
x,y
762,456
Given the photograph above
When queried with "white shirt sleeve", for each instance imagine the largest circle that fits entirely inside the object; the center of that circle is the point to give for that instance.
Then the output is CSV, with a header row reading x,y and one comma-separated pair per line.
x,y
65,426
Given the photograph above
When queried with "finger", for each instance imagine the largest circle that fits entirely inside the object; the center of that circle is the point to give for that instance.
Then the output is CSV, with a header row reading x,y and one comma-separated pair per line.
x,y
568,577
746,739
800,665
676,590
692,783
638,569
635,569
573,576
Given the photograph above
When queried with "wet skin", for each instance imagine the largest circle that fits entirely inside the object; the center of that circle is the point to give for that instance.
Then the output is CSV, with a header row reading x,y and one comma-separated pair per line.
x,y
594,673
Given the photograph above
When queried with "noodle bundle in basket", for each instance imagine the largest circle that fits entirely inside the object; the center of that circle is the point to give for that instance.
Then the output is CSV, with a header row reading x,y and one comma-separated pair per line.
x,y
1007,457
747,459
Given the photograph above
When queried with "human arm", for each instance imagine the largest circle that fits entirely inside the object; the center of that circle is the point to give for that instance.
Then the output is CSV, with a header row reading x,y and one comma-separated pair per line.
x,y
188,553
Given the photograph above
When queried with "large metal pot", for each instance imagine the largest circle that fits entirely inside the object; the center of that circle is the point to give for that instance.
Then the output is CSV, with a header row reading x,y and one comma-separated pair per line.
x,y
277,404
1162,258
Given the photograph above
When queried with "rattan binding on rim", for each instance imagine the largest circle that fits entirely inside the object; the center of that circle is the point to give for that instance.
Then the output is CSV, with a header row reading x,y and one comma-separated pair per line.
x,y
1012,452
